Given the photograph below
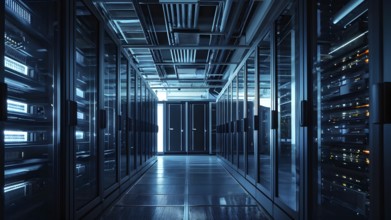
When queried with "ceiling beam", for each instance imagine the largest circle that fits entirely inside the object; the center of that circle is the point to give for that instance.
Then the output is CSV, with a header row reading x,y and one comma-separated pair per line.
x,y
185,80
186,87
180,47
192,64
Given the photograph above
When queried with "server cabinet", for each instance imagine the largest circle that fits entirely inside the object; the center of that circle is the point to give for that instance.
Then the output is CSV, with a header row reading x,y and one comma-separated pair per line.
x,y
150,120
156,126
29,91
235,116
341,110
132,134
251,100
147,119
108,115
124,104
85,95
219,114
242,140
265,141
143,119
380,108
138,121
212,127
198,130
227,125
175,134
221,130
223,127
286,100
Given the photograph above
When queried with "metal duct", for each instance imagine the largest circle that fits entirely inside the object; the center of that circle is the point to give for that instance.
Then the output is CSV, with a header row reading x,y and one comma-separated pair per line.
x,y
180,16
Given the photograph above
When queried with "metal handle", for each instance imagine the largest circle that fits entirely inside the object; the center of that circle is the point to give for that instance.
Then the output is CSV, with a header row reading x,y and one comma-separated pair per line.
x,y
274,118
382,103
256,123
103,118
304,113
3,101
171,129
194,129
72,113
119,122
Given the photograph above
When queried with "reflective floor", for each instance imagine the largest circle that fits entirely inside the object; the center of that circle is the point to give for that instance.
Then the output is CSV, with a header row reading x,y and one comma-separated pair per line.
x,y
186,187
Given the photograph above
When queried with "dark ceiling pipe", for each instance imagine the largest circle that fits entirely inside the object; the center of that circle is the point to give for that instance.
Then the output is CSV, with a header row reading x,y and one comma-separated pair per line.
x,y
224,56
229,34
149,37
241,29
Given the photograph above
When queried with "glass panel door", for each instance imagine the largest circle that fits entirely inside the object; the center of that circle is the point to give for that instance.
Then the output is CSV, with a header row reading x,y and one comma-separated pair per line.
x,y
138,120
110,107
287,149
86,83
29,145
143,117
229,134
124,116
226,135
265,104
250,65
341,101
132,120
234,120
241,114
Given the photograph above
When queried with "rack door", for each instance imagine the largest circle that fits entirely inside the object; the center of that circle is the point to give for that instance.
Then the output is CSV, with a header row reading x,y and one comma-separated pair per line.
x,y
86,97
288,164
123,118
109,119
341,100
264,109
175,128
198,133
28,94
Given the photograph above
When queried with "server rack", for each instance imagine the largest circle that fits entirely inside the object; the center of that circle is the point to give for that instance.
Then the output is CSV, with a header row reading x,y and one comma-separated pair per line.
x,y
123,115
272,156
265,156
83,110
104,115
341,121
138,121
40,179
338,158
132,144
286,99
250,108
29,101
108,111
242,140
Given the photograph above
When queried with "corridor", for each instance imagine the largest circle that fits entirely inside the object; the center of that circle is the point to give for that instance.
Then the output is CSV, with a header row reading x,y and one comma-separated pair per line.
x,y
186,187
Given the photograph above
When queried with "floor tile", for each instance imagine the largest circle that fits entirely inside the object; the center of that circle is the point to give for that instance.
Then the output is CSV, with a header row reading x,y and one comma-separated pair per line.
x,y
151,200
186,187
226,213
157,189
221,200
144,213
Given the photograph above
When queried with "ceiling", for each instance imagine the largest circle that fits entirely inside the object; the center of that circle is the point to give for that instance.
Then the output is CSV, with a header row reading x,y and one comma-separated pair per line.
x,y
185,49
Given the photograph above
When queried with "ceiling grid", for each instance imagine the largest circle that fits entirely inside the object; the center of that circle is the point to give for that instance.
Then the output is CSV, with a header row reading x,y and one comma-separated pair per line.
x,y
183,48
